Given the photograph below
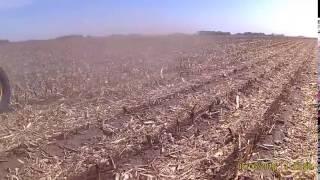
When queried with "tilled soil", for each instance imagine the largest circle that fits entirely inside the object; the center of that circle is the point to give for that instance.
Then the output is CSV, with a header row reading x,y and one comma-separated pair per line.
x,y
291,144
66,107
200,128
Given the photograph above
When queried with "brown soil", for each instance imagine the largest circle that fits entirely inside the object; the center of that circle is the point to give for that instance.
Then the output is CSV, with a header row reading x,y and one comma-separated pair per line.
x,y
153,107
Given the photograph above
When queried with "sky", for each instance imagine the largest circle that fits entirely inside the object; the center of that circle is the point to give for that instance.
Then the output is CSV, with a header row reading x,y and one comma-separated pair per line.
x,y
44,19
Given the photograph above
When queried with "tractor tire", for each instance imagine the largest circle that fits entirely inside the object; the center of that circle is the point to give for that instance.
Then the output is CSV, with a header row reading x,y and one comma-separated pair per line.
x,y
5,91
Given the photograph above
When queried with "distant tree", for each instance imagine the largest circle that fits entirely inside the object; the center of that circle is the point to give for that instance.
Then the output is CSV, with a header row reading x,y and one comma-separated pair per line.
x,y
70,36
4,41
213,33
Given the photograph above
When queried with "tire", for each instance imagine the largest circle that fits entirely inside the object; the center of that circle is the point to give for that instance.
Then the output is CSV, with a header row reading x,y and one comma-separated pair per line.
x,y
5,91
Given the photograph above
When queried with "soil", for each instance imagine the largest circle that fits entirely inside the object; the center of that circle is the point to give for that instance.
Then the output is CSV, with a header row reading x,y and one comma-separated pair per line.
x,y
167,107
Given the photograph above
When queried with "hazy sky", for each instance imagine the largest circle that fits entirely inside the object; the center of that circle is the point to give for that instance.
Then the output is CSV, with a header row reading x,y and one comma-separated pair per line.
x,y
41,19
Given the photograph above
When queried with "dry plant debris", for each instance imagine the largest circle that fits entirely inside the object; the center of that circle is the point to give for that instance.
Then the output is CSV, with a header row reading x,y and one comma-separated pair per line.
x,y
169,107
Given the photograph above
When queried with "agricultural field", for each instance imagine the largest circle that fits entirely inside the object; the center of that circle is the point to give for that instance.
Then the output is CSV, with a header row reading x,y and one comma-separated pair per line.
x,y
159,107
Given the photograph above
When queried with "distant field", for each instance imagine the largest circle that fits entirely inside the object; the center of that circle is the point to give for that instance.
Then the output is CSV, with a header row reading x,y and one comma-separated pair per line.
x,y
166,107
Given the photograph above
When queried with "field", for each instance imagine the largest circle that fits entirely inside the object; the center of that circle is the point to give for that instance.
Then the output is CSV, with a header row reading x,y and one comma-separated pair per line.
x,y
159,107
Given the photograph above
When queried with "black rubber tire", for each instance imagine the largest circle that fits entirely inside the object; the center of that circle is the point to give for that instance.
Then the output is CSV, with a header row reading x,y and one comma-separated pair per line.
x,y
6,91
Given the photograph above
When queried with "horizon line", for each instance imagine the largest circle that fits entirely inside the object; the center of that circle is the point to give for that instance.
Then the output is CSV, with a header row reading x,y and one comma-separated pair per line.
x,y
84,35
